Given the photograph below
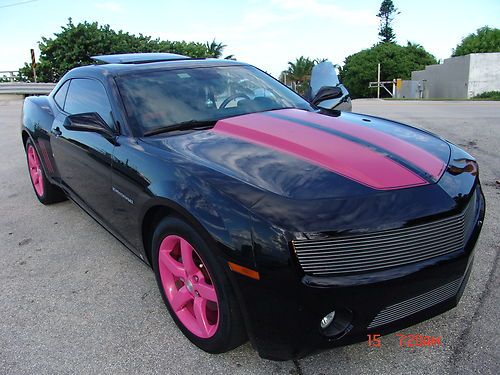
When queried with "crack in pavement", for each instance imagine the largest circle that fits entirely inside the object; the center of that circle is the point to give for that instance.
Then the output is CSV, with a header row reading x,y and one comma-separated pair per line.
x,y
298,368
457,350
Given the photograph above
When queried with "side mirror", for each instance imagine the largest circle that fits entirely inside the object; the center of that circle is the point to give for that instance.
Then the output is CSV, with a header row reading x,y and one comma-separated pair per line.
x,y
89,122
327,93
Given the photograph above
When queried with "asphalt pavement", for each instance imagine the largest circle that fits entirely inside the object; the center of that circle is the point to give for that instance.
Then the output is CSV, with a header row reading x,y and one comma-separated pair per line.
x,y
73,300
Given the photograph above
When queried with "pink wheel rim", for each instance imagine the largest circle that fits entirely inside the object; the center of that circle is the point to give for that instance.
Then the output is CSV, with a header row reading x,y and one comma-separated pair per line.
x,y
35,168
188,286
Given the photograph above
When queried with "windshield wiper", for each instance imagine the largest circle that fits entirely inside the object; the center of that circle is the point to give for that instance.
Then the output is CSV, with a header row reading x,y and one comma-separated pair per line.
x,y
191,124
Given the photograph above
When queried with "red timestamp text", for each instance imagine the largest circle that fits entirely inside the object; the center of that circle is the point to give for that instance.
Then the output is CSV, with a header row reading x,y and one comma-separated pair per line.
x,y
407,341
418,340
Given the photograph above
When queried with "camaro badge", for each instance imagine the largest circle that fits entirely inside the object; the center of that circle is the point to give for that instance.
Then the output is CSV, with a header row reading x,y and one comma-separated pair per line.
x,y
129,200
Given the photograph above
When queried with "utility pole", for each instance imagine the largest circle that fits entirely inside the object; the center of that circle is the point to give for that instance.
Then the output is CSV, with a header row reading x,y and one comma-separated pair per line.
x,y
33,63
378,82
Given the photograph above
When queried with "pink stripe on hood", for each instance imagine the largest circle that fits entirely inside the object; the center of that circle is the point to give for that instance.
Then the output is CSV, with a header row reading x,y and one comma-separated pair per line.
x,y
339,155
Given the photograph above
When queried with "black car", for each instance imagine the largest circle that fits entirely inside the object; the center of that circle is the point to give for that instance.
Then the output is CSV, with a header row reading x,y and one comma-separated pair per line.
x,y
263,216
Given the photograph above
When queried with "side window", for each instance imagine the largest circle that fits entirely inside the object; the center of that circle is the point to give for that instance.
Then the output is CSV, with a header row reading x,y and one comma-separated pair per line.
x,y
60,95
88,95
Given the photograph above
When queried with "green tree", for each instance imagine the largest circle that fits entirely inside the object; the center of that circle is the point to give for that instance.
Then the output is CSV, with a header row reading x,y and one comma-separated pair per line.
x,y
386,14
396,62
485,39
214,49
299,72
75,44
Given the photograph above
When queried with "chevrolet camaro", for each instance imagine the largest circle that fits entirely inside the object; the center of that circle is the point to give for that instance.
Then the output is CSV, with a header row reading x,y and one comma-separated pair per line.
x,y
264,216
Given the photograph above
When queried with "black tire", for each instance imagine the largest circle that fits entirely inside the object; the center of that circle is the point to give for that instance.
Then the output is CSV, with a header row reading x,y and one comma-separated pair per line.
x,y
230,331
51,193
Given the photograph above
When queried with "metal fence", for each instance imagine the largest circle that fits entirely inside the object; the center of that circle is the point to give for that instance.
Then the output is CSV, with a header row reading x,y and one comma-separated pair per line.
x,y
23,88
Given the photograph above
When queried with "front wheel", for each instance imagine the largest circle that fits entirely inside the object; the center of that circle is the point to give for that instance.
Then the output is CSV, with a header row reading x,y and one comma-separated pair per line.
x,y
195,288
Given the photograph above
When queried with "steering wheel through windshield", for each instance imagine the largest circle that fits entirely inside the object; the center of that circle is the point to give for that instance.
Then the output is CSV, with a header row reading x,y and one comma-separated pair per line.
x,y
230,98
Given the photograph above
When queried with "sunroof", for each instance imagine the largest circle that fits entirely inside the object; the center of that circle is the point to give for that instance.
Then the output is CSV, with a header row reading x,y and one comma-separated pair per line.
x,y
138,58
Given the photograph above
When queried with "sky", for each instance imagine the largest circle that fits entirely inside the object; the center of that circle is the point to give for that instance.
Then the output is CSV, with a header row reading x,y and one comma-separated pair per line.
x,y
265,33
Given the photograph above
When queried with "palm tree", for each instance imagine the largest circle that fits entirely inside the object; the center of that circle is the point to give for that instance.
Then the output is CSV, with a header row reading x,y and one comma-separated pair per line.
x,y
214,49
299,72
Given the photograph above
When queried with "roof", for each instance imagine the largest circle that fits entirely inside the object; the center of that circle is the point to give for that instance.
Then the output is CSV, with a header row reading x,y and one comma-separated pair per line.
x,y
125,68
138,58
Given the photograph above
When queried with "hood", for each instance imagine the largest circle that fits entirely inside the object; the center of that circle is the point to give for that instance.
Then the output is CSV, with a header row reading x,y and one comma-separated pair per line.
x,y
307,155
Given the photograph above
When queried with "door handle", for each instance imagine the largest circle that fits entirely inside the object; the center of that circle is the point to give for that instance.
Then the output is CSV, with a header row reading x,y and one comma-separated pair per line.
x,y
56,131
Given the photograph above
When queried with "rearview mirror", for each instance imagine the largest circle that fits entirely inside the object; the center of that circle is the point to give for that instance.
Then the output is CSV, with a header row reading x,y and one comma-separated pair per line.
x,y
327,93
90,122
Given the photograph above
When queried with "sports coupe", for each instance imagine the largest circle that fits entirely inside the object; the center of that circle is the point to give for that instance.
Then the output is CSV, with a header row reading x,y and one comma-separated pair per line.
x,y
264,216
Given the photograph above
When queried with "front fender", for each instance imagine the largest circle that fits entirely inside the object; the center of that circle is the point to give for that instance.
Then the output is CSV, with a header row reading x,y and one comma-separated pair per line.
x,y
150,178
220,217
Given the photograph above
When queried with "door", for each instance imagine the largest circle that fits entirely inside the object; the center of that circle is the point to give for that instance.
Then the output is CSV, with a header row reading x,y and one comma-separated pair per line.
x,y
83,158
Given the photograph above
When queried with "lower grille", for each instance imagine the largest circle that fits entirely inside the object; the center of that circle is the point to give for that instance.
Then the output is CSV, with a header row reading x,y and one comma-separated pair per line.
x,y
416,304
375,251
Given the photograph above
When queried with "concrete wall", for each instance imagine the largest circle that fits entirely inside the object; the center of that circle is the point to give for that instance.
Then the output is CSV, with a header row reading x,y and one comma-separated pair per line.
x,y
461,77
484,73
447,80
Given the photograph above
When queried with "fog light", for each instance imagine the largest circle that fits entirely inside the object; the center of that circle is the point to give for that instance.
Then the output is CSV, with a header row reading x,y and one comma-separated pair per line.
x,y
336,324
327,320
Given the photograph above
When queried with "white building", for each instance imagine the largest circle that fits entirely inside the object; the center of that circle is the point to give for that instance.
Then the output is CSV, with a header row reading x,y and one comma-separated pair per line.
x,y
459,77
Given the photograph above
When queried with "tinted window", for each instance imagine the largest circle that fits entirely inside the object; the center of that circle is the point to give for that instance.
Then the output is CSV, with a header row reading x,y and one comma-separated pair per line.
x,y
159,99
87,95
61,94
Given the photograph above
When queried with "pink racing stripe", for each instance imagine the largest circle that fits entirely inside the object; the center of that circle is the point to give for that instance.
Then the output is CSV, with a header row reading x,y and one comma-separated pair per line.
x,y
336,154
416,156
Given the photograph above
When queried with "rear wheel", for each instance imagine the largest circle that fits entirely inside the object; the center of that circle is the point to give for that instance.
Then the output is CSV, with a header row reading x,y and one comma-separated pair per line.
x,y
46,192
195,288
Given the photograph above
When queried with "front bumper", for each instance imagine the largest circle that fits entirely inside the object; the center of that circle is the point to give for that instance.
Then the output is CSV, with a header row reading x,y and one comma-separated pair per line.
x,y
283,313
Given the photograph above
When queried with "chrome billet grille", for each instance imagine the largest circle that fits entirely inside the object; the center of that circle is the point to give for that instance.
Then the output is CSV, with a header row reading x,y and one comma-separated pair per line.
x,y
416,304
384,249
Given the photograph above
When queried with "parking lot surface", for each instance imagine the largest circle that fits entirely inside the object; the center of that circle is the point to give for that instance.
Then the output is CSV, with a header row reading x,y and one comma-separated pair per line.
x,y
73,300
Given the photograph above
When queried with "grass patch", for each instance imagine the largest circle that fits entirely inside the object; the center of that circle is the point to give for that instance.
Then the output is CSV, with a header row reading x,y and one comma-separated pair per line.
x,y
488,95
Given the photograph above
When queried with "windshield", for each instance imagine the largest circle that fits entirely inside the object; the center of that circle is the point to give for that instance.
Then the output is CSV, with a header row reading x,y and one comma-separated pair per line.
x,y
160,99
